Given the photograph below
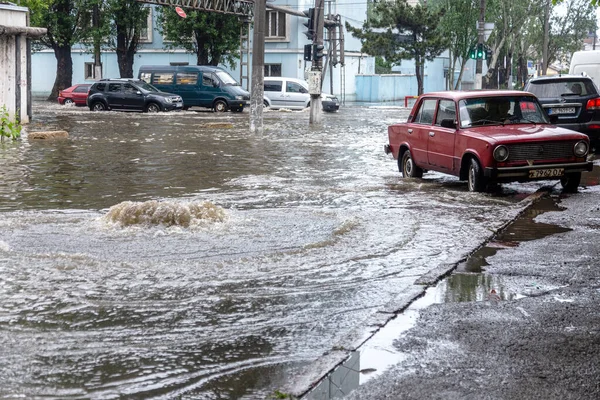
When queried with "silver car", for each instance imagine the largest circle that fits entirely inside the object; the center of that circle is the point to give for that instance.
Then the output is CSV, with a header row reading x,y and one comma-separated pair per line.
x,y
293,94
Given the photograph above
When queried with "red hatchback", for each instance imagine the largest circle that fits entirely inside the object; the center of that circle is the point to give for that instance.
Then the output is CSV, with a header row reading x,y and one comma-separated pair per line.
x,y
487,137
76,94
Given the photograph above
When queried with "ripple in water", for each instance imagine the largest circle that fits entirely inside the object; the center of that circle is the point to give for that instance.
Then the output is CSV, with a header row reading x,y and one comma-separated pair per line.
x,y
167,213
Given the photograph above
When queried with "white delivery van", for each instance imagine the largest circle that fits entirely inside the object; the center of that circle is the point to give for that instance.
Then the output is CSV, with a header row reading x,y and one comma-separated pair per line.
x,y
587,62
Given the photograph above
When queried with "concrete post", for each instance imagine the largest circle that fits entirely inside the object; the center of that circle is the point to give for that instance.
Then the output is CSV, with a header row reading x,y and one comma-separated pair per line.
x,y
258,67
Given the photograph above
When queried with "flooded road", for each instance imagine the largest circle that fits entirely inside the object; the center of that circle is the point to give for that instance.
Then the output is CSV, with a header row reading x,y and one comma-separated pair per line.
x,y
291,239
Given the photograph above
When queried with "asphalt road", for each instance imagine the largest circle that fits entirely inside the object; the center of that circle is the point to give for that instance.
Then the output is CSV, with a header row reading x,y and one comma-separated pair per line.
x,y
543,345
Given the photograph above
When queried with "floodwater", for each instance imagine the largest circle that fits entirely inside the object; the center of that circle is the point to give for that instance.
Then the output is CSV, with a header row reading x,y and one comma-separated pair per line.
x,y
178,255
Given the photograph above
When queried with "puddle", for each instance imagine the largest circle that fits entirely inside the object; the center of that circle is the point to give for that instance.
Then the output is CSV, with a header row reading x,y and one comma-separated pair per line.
x,y
466,283
522,229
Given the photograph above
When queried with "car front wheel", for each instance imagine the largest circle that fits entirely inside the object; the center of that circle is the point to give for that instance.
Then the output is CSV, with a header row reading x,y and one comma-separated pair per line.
x,y
152,108
570,182
98,106
475,179
220,106
408,166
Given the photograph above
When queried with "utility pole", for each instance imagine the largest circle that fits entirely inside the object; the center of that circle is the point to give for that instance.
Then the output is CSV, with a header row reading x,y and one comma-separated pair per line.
x,y
480,40
546,38
258,67
314,77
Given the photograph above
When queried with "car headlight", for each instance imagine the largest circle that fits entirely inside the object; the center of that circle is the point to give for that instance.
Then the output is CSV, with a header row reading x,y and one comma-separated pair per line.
x,y
501,153
580,149
168,99
239,97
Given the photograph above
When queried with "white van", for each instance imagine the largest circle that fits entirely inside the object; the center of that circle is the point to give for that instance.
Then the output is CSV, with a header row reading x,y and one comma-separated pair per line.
x,y
293,94
587,62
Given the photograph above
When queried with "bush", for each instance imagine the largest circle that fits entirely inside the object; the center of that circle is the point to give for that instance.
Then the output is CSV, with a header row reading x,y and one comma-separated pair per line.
x,y
8,128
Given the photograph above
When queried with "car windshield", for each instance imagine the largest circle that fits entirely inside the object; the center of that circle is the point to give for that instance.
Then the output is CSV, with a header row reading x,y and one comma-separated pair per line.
x,y
147,87
226,78
556,88
500,110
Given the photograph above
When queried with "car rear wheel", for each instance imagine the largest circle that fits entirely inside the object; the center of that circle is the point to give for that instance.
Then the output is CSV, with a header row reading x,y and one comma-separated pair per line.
x,y
570,182
408,167
98,106
220,106
152,108
476,180
265,104
69,102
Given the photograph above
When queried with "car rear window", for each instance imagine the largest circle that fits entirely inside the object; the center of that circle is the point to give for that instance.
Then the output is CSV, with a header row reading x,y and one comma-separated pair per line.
x,y
556,88
81,89
100,87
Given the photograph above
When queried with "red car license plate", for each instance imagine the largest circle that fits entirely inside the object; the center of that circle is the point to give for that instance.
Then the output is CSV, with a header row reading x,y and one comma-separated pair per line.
x,y
546,173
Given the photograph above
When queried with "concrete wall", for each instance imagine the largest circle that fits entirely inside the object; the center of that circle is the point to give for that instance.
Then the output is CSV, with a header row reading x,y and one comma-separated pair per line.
x,y
13,63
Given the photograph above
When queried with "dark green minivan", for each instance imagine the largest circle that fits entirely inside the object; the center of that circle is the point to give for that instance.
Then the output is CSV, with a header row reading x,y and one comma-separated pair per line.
x,y
199,86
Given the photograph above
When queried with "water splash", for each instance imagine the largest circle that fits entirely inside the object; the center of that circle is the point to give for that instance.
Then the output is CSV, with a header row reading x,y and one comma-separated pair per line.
x,y
165,213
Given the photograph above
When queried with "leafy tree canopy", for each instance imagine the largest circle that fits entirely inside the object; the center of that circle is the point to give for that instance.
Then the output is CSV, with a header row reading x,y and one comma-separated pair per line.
x,y
213,37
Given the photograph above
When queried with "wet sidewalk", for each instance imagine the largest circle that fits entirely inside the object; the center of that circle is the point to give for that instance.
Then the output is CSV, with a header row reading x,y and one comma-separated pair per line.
x,y
519,319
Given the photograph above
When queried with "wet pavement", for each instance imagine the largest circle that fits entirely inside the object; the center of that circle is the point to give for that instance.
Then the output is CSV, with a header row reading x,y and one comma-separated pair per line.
x,y
177,255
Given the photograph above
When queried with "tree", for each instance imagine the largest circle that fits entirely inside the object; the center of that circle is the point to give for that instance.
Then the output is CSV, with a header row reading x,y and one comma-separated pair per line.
x,y
213,37
399,32
63,19
129,20
458,25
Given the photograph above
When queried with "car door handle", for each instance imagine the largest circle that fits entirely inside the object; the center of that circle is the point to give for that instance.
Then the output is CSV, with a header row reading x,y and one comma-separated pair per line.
x,y
410,131
431,134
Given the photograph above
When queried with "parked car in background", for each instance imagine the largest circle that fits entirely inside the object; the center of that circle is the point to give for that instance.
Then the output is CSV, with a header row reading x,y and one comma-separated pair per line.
x,y
76,94
572,101
293,94
199,86
487,137
130,94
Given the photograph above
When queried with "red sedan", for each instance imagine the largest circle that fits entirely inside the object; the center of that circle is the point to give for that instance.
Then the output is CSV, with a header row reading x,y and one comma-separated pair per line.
x,y
76,94
487,137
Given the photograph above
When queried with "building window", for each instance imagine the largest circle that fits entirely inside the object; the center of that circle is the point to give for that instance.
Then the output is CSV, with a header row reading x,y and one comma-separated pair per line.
x,y
276,26
88,73
146,32
272,69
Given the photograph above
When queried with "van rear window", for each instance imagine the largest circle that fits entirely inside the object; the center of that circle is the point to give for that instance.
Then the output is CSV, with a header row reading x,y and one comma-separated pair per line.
x,y
146,76
187,78
162,78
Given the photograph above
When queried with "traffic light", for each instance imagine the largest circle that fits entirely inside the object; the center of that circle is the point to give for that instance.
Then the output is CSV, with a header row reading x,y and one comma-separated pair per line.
x,y
480,52
307,52
488,53
473,53
318,52
310,24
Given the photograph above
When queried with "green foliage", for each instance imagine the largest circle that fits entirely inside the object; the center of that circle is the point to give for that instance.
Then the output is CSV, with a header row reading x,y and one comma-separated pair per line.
x,y
594,3
8,128
382,66
213,37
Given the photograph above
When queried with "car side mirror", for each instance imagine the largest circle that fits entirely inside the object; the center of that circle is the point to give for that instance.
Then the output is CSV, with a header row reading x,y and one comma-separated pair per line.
x,y
553,119
448,123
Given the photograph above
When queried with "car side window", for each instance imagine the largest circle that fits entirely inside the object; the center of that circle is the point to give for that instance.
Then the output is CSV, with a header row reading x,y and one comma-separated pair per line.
x,y
446,110
129,88
187,78
293,87
162,78
114,87
207,80
425,114
100,87
81,89
273,86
